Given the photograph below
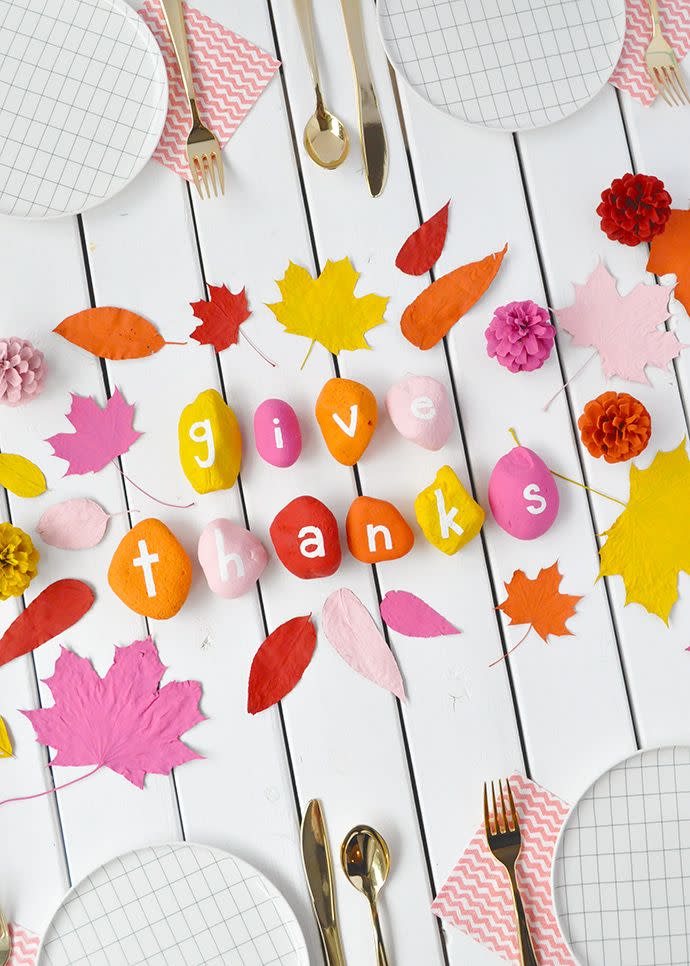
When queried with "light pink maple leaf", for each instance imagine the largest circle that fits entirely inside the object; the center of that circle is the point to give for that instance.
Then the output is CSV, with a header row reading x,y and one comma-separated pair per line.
x,y
124,721
101,434
623,328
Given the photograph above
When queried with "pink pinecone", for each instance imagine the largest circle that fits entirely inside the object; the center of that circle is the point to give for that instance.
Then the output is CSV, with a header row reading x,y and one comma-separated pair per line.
x,y
22,371
520,336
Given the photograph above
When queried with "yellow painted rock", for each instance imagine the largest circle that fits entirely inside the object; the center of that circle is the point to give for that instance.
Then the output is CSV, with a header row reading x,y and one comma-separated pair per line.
x,y
150,570
210,443
447,514
346,412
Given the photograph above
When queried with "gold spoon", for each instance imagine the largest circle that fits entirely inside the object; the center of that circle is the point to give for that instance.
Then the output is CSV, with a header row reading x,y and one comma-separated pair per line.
x,y
325,138
366,862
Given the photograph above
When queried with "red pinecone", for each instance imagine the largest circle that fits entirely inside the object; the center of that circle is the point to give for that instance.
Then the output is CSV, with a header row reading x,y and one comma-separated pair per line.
x,y
634,209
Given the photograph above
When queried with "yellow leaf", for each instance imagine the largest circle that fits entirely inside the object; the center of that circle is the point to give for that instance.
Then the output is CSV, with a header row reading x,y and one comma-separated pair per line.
x,y
21,476
649,544
5,743
326,309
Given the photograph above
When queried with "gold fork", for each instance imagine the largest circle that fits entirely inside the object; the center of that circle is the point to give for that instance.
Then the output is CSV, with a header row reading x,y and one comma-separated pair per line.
x,y
504,841
5,941
662,64
203,150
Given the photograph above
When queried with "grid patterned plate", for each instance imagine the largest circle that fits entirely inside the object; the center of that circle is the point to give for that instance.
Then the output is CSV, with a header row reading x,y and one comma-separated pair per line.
x,y
174,905
621,875
506,64
83,99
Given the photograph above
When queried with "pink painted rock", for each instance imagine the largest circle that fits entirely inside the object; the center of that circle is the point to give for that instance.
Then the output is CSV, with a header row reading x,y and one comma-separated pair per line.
x,y
420,410
231,557
522,494
277,433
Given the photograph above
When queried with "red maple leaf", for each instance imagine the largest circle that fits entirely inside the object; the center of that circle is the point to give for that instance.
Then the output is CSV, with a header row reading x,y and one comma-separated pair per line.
x,y
221,317
100,435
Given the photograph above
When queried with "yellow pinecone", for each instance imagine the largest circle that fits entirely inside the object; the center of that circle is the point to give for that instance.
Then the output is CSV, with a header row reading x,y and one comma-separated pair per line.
x,y
18,561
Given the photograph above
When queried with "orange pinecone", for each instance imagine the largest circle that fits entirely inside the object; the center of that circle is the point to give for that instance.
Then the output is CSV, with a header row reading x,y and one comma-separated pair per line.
x,y
616,426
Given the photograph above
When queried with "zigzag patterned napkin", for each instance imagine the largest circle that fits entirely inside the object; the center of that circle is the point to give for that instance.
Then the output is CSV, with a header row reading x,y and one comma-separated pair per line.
x,y
229,75
477,896
24,946
631,73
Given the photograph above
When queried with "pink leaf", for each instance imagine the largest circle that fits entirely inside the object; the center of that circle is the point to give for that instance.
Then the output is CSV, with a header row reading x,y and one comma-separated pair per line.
x,y
350,628
73,524
125,720
101,434
410,615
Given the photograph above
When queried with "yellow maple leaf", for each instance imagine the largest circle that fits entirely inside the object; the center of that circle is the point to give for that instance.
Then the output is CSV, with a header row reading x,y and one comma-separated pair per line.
x,y
326,309
649,543
5,743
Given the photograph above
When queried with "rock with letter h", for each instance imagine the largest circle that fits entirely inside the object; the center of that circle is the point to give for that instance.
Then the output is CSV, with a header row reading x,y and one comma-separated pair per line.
x,y
150,570
522,494
305,537
447,513
231,557
210,443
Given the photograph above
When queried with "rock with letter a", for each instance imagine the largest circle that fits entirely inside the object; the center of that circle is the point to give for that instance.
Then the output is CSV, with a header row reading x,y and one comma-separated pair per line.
x,y
305,537
231,557
210,443
419,409
377,531
150,570
347,413
277,433
523,495
447,514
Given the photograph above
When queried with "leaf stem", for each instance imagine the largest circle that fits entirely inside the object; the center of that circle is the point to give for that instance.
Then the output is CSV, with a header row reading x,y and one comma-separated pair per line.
x,y
503,657
50,791
585,487
257,349
174,506
176,343
567,383
313,343
514,435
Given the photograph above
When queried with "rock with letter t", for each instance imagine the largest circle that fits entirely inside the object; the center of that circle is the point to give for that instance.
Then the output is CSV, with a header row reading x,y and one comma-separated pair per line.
x,y
305,537
347,413
522,494
447,514
231,557
210,443
377,531
150,570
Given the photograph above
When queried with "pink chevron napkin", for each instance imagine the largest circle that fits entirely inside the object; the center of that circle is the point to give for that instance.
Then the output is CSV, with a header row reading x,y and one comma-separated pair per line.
x,y
24,946
229,75
477,897
631,73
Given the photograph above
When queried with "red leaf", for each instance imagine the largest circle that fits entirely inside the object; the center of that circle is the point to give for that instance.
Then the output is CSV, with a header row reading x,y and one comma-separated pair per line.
x,y
221,317
55,609
423,248
280,662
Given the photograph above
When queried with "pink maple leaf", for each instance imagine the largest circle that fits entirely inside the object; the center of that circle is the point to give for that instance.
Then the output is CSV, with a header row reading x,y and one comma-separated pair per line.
x,y
124,721
100,435
623,328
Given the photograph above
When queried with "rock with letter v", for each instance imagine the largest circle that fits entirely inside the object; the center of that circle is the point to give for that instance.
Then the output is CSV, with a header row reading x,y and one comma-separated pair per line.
x,y
347,413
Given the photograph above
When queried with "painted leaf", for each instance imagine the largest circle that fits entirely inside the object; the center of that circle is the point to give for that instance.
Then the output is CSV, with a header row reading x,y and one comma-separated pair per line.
x,y
410,615
101,434
280,662
111,333
624,329
649,544
73,524
6,750
56,608
326,309
20,476
221,317
668,254
443,303
124,721
423,248
539,602
350,628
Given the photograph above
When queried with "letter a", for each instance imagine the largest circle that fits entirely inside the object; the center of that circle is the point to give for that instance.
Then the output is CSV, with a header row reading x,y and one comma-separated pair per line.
x,y
446,518
315,542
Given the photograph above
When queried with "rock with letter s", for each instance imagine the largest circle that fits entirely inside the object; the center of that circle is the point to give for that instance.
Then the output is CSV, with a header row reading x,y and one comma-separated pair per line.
x,y
523,495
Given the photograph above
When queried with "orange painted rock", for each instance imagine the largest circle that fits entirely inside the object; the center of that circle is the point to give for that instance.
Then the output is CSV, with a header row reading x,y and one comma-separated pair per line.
x,y
305,537
150,570
347,413
377,531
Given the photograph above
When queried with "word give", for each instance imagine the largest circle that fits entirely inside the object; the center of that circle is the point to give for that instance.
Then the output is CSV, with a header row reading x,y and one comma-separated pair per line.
x,y
150,571
522,494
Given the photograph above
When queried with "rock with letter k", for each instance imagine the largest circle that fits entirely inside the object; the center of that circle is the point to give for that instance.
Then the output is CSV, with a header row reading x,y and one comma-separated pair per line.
x,y
447,513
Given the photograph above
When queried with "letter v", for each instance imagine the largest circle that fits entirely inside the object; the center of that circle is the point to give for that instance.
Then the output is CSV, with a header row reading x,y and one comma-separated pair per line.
x,y
350,429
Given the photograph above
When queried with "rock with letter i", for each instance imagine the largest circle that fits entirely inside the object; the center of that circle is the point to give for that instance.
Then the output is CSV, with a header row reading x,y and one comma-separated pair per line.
x,y
277,433
150,570
210,443
523,495
231,557
447,513
305,537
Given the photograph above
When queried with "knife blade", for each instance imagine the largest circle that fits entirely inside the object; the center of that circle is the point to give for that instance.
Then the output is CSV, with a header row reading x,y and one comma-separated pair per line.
x,y
318,869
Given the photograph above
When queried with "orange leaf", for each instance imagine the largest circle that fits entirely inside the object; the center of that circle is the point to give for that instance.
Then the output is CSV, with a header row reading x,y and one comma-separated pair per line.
x,y
111,333
539,602
669,254
433,313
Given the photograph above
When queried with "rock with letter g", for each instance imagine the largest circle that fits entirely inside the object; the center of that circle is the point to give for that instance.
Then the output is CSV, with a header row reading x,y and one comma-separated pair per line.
x,y
210,443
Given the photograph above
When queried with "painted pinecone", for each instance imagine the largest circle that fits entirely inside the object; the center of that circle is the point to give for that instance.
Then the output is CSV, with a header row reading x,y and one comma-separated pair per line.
x,y
520,336
18,561
616,426
22,371
634,209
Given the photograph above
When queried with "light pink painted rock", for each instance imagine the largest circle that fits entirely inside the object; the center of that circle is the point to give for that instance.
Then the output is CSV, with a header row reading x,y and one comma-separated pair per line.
x,y
419,409
522,494
277,433
231,557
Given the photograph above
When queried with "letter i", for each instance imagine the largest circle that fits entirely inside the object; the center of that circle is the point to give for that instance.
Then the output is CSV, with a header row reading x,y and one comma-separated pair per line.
x,y
278,434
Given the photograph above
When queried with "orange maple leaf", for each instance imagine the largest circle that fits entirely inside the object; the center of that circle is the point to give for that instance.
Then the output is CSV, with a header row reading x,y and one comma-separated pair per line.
x,y
668,254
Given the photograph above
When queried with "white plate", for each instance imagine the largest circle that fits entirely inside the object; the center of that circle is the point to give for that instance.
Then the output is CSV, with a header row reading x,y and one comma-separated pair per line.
x,y
507,64
621,873
174,905
83,100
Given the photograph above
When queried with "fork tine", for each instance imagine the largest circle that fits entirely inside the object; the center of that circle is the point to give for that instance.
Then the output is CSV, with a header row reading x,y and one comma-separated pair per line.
x,y
498,818
675,82
507,811
669,86
681,82
217,161
195,175
487,817
516,820
212,172
657,80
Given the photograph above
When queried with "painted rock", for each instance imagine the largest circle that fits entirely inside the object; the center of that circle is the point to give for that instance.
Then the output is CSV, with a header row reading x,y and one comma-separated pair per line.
x,y
150,570
419,409
210,443
447,514
305,537
523,495
347,413
277,433
231,557
377,531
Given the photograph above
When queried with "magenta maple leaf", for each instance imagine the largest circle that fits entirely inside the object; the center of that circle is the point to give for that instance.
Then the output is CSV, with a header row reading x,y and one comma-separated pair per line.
x,y
100,435
124,721
623,328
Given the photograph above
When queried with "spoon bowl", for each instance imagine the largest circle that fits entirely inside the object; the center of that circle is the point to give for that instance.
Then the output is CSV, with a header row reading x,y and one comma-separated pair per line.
x,y
325,139
366,862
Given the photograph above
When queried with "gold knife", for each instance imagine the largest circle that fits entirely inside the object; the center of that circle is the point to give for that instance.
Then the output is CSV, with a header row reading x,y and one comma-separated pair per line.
x,y
318,868
372,135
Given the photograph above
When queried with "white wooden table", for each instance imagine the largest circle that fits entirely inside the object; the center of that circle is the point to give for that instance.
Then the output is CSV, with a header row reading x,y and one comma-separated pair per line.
x,y
561,713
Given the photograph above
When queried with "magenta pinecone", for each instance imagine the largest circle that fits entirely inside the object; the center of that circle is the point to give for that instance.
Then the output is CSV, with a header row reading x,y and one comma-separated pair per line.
x,y
22,371
520,336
